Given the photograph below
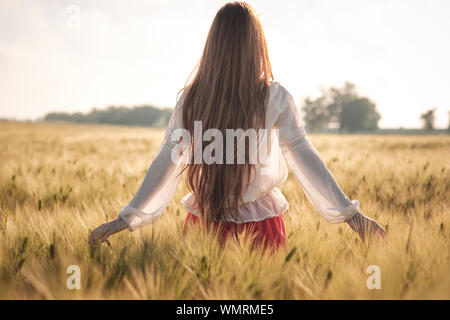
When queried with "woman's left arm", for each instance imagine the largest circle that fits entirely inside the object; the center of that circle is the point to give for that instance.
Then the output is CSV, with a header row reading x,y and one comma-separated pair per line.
x,y
150,200
157,187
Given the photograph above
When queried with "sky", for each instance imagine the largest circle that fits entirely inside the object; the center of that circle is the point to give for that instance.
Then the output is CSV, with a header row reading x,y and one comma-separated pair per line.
x,y
75,55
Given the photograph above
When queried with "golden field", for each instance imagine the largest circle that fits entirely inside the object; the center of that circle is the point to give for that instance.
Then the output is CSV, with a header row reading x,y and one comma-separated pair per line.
x,y
59,181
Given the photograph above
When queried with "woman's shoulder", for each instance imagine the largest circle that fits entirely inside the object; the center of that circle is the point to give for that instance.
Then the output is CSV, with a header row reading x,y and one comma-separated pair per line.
x,y
277,87
180,95
279,96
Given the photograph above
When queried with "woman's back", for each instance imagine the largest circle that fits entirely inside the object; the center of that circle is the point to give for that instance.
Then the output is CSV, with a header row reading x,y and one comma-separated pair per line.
x,y
261,196
229,90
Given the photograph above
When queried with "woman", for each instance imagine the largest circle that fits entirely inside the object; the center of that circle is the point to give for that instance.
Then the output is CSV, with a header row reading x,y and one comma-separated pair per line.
x,y
233,88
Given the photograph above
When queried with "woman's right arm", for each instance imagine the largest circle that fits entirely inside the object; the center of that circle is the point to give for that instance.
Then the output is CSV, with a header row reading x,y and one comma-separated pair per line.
x,y
310,170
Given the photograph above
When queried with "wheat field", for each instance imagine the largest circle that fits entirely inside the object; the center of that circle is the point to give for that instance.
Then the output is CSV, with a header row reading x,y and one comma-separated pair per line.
x,y
59,181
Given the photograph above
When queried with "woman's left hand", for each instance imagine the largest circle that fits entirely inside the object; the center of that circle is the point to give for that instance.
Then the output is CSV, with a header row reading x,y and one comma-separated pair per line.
x,y
107,229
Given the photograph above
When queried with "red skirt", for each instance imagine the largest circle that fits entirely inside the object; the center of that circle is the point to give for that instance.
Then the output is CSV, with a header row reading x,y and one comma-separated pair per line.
x,y
269,232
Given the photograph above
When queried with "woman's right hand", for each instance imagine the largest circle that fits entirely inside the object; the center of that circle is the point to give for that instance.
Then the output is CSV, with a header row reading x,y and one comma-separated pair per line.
x,y
366,228
107,229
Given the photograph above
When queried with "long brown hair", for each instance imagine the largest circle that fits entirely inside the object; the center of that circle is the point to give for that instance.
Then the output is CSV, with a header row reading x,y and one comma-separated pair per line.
x,y
228,91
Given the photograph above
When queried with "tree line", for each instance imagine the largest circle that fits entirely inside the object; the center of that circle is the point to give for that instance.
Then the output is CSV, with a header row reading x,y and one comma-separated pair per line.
x,y
340,108
147,116
343,108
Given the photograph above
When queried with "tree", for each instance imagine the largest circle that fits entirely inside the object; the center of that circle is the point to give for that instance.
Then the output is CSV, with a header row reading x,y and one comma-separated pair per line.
x,y
316,114
342,107
428,119
358,114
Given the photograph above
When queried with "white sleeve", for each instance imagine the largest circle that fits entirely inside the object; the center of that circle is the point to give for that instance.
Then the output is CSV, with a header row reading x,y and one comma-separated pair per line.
x,y
159,183
316,180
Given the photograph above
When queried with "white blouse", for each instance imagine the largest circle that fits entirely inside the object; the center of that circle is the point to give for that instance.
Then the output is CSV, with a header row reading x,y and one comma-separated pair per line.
x,y
288,144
